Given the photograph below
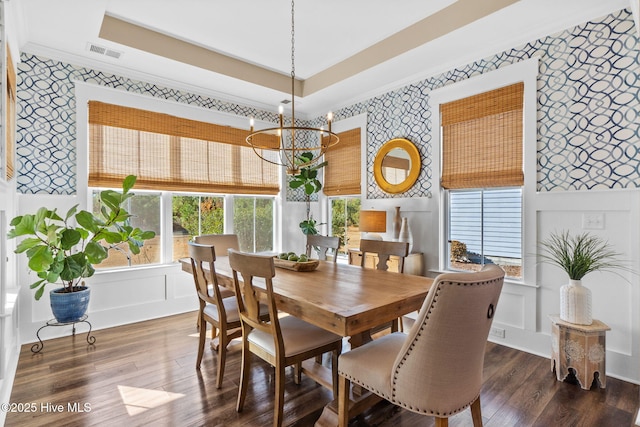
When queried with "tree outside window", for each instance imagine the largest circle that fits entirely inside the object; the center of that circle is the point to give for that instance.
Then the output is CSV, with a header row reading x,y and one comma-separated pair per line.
x,y
253,223
345,221
192,216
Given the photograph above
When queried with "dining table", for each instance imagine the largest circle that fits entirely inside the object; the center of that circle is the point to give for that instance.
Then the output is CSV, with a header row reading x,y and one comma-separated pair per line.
x,y
345,299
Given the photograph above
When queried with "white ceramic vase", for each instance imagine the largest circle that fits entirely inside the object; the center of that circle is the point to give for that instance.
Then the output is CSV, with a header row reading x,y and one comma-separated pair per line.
x,y
575,303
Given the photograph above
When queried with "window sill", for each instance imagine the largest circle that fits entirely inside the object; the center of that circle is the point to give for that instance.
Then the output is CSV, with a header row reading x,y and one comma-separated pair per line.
x,y
120,270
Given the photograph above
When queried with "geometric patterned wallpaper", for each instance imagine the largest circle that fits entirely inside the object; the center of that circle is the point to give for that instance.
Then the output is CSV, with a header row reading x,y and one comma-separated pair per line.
x,y
588,112
588,108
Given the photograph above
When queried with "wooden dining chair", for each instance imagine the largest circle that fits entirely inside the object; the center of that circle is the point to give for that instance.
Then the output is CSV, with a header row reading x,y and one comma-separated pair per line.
x,y
222,243
322,244
280,342
384,250
222,313
436,368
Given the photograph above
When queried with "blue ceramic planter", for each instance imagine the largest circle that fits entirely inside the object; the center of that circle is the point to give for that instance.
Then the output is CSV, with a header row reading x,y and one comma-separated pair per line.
x,y
69,307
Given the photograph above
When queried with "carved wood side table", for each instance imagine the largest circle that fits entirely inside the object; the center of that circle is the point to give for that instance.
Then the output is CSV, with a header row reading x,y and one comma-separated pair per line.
x,y
580,348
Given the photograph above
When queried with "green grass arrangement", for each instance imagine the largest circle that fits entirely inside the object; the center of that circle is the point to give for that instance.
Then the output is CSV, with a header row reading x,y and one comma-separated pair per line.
x,y
580,254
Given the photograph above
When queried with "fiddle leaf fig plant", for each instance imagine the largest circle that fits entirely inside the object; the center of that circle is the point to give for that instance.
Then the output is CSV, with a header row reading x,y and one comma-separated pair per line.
x,y
308,180
59,251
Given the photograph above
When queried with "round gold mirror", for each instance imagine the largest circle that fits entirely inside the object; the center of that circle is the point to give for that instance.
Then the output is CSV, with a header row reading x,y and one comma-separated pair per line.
x,y
397,166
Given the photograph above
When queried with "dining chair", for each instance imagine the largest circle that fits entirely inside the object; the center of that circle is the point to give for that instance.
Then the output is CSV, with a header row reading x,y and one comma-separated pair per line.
x,y
222,243
280,342
222,313
435,368
322,244
384,250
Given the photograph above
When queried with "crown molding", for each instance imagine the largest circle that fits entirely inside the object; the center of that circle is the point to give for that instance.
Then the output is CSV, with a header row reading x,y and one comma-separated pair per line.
x,y
107,67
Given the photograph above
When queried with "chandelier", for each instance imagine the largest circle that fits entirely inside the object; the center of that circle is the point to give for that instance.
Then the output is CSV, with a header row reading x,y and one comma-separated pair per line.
x,y
292,146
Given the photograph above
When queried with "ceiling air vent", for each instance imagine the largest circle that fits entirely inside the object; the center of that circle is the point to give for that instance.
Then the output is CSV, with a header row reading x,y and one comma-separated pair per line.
x,y
100,50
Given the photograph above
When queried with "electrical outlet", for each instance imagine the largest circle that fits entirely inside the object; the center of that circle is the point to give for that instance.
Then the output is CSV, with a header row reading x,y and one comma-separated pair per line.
x,y
593,221
497,332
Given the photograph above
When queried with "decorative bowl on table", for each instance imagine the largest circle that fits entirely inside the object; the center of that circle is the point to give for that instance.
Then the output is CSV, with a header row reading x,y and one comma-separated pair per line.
x,y
303,264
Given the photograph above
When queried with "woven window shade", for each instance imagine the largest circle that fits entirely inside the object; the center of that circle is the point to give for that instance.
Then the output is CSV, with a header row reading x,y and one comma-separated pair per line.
x,y
342,173
10,128
174,154
482,140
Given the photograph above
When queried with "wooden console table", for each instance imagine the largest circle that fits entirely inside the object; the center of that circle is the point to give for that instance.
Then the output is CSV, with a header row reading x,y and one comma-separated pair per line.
x,y
413,263
581,348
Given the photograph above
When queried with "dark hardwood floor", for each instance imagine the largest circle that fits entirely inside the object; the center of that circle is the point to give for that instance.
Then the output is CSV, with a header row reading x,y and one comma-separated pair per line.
x,y
144,374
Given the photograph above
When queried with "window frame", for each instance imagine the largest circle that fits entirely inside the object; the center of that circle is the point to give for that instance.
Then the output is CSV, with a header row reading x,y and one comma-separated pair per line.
x,y
525,71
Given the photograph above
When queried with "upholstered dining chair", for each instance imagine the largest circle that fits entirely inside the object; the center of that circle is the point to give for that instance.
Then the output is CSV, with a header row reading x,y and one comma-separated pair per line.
x,y
436,368
322,244
220,312
280,342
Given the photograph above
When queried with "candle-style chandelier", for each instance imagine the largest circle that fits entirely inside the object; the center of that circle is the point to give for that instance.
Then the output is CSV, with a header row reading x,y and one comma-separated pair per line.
x,y
292,146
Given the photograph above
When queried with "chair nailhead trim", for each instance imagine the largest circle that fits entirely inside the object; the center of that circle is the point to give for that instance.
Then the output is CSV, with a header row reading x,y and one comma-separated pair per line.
x,y
412,345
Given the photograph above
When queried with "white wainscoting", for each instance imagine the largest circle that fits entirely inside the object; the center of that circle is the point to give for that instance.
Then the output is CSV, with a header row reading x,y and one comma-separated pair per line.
x,y
122,297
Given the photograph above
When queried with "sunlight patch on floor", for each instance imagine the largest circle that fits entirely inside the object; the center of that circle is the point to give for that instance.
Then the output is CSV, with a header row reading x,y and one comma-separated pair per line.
x,y
138,400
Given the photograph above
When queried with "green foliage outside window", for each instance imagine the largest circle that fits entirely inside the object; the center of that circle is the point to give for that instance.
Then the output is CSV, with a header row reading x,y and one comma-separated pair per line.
x,y
194,215
253,223
345,215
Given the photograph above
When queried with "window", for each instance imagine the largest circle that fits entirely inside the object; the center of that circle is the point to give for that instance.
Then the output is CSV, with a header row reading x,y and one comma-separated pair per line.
x,y
253,223
342,178
179,163
146,210
485,226
194,215
345,215
482,176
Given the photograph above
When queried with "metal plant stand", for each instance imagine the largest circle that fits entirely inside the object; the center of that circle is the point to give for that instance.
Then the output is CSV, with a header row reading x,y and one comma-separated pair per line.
x,y
37,347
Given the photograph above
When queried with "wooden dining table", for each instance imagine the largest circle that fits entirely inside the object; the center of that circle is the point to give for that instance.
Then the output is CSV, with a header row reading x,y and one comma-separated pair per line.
x,y
345,299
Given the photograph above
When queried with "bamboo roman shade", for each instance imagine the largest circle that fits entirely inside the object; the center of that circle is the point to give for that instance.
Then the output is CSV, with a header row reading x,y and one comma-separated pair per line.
x,y
342,173
10,128
173,154
482,140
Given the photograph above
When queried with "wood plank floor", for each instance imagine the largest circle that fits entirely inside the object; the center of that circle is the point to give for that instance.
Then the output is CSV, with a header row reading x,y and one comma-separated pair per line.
x,y
144,374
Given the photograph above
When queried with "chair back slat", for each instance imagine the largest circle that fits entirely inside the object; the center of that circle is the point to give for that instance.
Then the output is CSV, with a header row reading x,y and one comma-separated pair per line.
x,y
384,249
322,244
